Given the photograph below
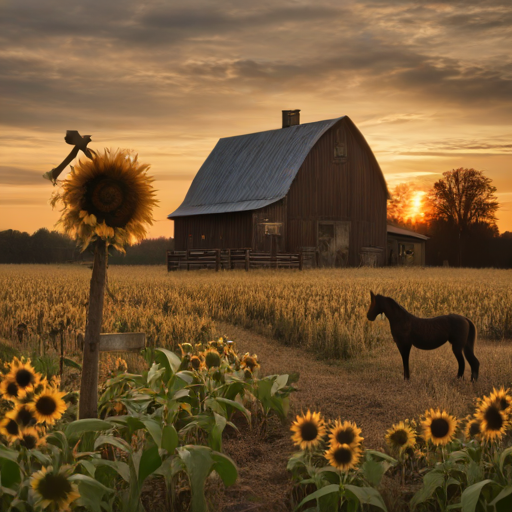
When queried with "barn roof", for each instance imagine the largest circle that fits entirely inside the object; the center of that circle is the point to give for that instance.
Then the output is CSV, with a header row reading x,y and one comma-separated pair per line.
x,y
251,171
406,232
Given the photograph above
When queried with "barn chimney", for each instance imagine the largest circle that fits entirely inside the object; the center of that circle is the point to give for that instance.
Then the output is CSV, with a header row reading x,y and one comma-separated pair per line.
x,y
291,118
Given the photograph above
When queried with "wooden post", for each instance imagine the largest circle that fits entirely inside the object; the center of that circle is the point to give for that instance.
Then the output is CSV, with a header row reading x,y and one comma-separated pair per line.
x,y
188,256
217,260
229,260
88,404
247,260
301,259
273,251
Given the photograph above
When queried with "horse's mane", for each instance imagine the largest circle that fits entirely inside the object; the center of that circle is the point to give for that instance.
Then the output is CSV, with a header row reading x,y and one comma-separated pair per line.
x,y
393,303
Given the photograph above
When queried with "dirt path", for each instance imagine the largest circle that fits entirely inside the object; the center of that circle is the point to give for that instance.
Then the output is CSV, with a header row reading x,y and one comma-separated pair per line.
x,y
370,391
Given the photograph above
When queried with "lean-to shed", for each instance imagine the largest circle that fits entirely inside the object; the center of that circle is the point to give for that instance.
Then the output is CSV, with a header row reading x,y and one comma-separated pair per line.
x,y
315,185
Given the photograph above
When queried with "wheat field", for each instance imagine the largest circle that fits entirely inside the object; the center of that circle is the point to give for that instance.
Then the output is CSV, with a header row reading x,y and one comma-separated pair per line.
x,y
321,310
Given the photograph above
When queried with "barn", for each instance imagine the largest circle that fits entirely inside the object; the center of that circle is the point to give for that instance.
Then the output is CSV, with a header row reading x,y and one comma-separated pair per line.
x,y
313,185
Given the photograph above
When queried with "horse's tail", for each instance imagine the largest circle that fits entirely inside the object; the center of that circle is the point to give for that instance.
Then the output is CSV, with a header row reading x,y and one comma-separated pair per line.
x,y
469,350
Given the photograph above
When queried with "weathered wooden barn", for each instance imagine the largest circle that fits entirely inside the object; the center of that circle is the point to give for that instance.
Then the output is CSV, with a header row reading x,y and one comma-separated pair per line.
x,y
405,247
315,185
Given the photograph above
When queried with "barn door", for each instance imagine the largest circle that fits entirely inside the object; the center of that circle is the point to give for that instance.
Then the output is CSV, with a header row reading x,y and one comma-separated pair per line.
x,y
333,243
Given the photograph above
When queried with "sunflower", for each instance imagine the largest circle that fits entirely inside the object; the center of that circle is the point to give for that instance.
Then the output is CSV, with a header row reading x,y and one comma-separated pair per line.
x,y
23,374
503,399
401,437
53,488
439,427
345,433
473,429
250,362
9,428
196,362
493,420
343,456
109,196
23,415
309,430
212,358
48,406
30,438
10,390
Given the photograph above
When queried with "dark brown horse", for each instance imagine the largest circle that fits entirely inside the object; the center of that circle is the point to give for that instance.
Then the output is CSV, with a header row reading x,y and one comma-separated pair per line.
x,y
427,333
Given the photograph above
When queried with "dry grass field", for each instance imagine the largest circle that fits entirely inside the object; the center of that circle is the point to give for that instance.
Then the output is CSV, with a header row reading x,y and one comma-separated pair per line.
x,y
311,322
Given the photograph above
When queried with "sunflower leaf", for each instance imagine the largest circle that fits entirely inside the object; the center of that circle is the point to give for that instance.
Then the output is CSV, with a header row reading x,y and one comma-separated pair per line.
x,y
150,461
471,495
373,471
225,468
367,495
78,427
324,491
431,482
114,441
503,457
170,439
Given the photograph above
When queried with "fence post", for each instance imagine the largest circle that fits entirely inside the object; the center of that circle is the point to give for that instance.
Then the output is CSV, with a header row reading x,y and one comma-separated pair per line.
x,y
301,259
188,257
217,260
247,260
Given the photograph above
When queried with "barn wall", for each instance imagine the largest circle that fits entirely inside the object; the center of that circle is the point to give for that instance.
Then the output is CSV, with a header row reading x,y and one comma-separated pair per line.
x,y
330,187
216,231
272,214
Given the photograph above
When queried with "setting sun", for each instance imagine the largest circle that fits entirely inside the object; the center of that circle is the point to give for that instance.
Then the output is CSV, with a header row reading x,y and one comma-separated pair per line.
x,y
415,211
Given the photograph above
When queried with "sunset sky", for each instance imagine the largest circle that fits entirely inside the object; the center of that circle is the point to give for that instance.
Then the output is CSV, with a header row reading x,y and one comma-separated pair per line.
x,y
428,84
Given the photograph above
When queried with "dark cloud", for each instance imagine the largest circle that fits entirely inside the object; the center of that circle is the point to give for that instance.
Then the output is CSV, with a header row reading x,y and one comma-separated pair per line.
x,y
10,175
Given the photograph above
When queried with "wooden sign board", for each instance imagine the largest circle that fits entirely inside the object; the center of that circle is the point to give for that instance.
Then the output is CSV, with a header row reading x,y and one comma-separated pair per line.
x,y
123,342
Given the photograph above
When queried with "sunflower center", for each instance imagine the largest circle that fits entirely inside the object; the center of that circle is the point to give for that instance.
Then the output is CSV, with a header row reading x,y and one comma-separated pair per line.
x,y
250,362
46,405
107,196
54,487
474,429
399,437
12,428
24,378
343,455
493,418
29,441
196,363
439,427
24,416
345,436
308,431
12,389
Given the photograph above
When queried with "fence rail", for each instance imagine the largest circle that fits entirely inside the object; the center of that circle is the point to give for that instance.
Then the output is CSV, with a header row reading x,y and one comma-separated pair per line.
x,y
227,259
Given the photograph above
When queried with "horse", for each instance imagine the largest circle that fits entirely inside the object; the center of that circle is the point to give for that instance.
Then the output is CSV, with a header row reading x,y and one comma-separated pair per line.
x,y
427,333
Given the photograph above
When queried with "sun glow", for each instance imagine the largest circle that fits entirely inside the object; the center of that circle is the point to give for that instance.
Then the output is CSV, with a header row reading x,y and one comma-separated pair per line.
x,y
415,211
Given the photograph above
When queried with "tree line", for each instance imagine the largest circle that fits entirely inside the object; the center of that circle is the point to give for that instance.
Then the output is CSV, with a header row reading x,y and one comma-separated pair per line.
x,y
459,215
45,246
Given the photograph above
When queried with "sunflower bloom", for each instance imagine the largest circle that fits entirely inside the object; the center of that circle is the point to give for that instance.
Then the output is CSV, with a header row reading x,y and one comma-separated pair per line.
x,y
10,429
250,362
48,406
23,374
400,437
10,390
30,438
439,427
473,429
53,488
23,415
345,433
309,430
109,196
212,358
196,362
503,399
493,420
343,456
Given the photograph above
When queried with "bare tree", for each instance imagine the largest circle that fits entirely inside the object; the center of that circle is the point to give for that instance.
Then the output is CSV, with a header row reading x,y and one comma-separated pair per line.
x,y
463,197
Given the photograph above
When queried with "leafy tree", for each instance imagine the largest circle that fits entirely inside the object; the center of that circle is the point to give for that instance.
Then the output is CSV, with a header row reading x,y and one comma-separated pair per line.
x,y
463,197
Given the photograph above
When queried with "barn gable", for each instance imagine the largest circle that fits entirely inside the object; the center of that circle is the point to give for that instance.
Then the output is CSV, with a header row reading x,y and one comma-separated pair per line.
x,y
248,172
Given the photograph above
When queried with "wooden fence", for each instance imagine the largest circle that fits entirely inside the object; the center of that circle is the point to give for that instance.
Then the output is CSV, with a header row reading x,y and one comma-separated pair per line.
x,y
227,259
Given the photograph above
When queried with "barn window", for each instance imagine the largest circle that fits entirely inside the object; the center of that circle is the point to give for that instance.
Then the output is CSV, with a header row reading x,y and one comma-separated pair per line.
x,y
340,150
273,228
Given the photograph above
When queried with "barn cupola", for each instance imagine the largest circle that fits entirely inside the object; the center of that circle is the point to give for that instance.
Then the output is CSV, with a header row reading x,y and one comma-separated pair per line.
x,y
291,118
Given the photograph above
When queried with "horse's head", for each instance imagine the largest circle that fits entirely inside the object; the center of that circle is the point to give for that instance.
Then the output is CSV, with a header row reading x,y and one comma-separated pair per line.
x,y
375,308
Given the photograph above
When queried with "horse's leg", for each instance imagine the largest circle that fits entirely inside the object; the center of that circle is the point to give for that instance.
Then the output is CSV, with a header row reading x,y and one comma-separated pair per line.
x,y
457,351
469,351
405,350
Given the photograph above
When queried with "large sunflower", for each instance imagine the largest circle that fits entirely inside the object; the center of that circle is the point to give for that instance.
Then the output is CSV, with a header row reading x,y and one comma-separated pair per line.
x,y
9,428
345,433
109,196
48,406
503,399
23,374
493,420
400,437
309,430
439,427
343,456
53,488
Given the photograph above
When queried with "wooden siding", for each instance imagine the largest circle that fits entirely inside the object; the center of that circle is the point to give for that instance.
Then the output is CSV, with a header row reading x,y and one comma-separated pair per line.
x,y
275,214
220,231
346,189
